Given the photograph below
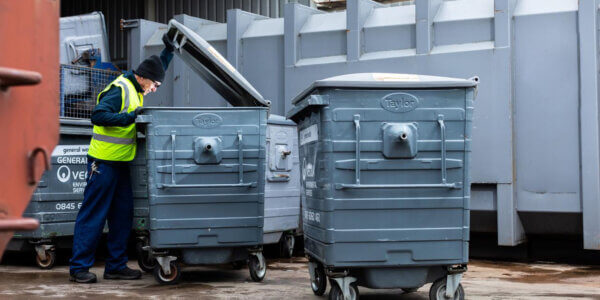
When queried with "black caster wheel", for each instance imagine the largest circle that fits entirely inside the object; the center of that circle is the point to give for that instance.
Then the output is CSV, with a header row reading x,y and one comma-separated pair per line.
x,y
48,262
336,292
438,291
170,279
319,282
257,269
146,262
286,244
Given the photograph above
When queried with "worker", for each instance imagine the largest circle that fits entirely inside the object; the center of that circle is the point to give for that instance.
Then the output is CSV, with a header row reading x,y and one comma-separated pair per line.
x,y
108,195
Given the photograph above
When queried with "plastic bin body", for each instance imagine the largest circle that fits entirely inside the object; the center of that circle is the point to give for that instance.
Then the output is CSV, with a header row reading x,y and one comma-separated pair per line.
x,y
397,222
210,205
282,185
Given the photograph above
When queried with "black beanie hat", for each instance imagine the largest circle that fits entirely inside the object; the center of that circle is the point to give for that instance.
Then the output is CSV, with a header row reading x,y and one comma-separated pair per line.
x,y
151,68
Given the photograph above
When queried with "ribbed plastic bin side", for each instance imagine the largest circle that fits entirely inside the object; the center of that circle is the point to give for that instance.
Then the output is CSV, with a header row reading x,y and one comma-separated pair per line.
x,y
282,186
385,169
139,182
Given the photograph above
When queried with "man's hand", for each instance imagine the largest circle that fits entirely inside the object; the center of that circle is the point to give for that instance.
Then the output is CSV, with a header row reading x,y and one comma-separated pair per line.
x,y
138,110
168,43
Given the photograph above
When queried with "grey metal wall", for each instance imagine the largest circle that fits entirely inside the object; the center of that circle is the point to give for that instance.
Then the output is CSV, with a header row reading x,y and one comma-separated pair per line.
x,y
536,144
163,11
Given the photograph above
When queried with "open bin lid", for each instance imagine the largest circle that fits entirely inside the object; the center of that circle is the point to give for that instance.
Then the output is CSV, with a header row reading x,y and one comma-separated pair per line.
x,y
213,67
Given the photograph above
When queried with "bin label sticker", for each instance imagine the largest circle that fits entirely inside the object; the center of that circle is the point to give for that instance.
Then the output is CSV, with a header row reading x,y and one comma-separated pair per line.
x,y
69,162
63,174
207,120
68,206
309,134
312,216
399,102
70,150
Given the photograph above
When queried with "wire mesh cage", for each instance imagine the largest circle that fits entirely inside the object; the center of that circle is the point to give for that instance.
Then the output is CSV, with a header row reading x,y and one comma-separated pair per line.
x,y
79,87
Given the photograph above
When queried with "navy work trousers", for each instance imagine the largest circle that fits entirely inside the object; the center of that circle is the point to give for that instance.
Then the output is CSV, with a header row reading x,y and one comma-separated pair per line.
x,y
107,197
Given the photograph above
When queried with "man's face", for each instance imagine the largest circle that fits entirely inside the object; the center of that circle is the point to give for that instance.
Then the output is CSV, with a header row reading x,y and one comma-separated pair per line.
x,y
149,86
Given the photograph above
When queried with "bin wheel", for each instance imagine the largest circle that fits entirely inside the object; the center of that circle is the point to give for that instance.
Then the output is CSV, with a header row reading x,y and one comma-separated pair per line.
x,y
145,261
257,269
409,290
170,279
438,291
319,283
286,245
48,263
336,292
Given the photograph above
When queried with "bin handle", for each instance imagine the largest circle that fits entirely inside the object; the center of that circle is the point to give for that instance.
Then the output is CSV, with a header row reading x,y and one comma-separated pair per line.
x,y
358,185
241,183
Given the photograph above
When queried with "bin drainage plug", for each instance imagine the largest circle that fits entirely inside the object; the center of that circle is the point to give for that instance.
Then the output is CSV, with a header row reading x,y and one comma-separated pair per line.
x,y
403,136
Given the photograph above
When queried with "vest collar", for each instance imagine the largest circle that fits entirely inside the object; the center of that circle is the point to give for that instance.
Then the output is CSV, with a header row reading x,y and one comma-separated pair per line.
x,y
129,75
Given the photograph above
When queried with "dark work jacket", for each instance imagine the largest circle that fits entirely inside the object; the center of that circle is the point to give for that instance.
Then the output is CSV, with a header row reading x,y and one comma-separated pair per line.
x,y
106,112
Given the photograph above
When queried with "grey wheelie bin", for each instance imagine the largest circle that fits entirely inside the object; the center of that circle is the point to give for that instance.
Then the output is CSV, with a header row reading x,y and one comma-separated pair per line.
x,y
58,197
282,186
385,168
206,170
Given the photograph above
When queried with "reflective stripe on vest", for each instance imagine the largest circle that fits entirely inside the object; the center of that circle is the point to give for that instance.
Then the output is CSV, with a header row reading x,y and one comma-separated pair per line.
x,y
124,87
112,139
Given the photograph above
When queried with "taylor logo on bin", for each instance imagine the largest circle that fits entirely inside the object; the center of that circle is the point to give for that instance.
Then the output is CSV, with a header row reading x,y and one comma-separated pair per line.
x,y
399,102
207,120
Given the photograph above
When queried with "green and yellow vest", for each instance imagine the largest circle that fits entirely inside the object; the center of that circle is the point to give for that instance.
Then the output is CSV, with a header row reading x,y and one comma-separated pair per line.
x,y
117,143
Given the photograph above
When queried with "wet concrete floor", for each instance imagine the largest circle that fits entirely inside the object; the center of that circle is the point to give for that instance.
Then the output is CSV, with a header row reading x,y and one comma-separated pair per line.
x,y
288,279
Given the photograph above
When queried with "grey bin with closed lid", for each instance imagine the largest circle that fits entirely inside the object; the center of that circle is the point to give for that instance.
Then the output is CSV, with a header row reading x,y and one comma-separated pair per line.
x,y
282,185
206,170
385,168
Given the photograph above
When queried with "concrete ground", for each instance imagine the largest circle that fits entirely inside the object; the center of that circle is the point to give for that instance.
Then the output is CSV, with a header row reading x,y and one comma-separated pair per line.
x,y
288,279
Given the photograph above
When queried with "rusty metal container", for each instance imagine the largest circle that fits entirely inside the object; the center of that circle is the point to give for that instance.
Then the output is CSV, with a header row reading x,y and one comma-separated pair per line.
x,y
29,83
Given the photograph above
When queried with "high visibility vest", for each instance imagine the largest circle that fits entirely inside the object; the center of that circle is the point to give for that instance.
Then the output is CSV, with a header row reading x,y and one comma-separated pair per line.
x,y
117,143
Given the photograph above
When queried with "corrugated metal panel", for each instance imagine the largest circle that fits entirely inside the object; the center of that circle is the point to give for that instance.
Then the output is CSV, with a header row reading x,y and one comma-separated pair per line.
x,y
162,11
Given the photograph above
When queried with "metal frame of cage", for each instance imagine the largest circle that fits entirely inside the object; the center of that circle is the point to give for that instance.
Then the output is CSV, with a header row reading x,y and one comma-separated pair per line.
x,y
79,87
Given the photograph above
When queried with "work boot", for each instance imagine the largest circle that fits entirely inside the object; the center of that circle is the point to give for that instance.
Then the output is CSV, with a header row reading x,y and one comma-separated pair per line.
x,y
125,274
83,277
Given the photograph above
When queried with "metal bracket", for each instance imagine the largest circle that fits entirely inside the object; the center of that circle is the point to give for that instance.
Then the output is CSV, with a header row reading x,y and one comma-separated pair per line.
x,y
41,250
456,269
452,282
143,119
312,266
344,283
131,23
165,263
